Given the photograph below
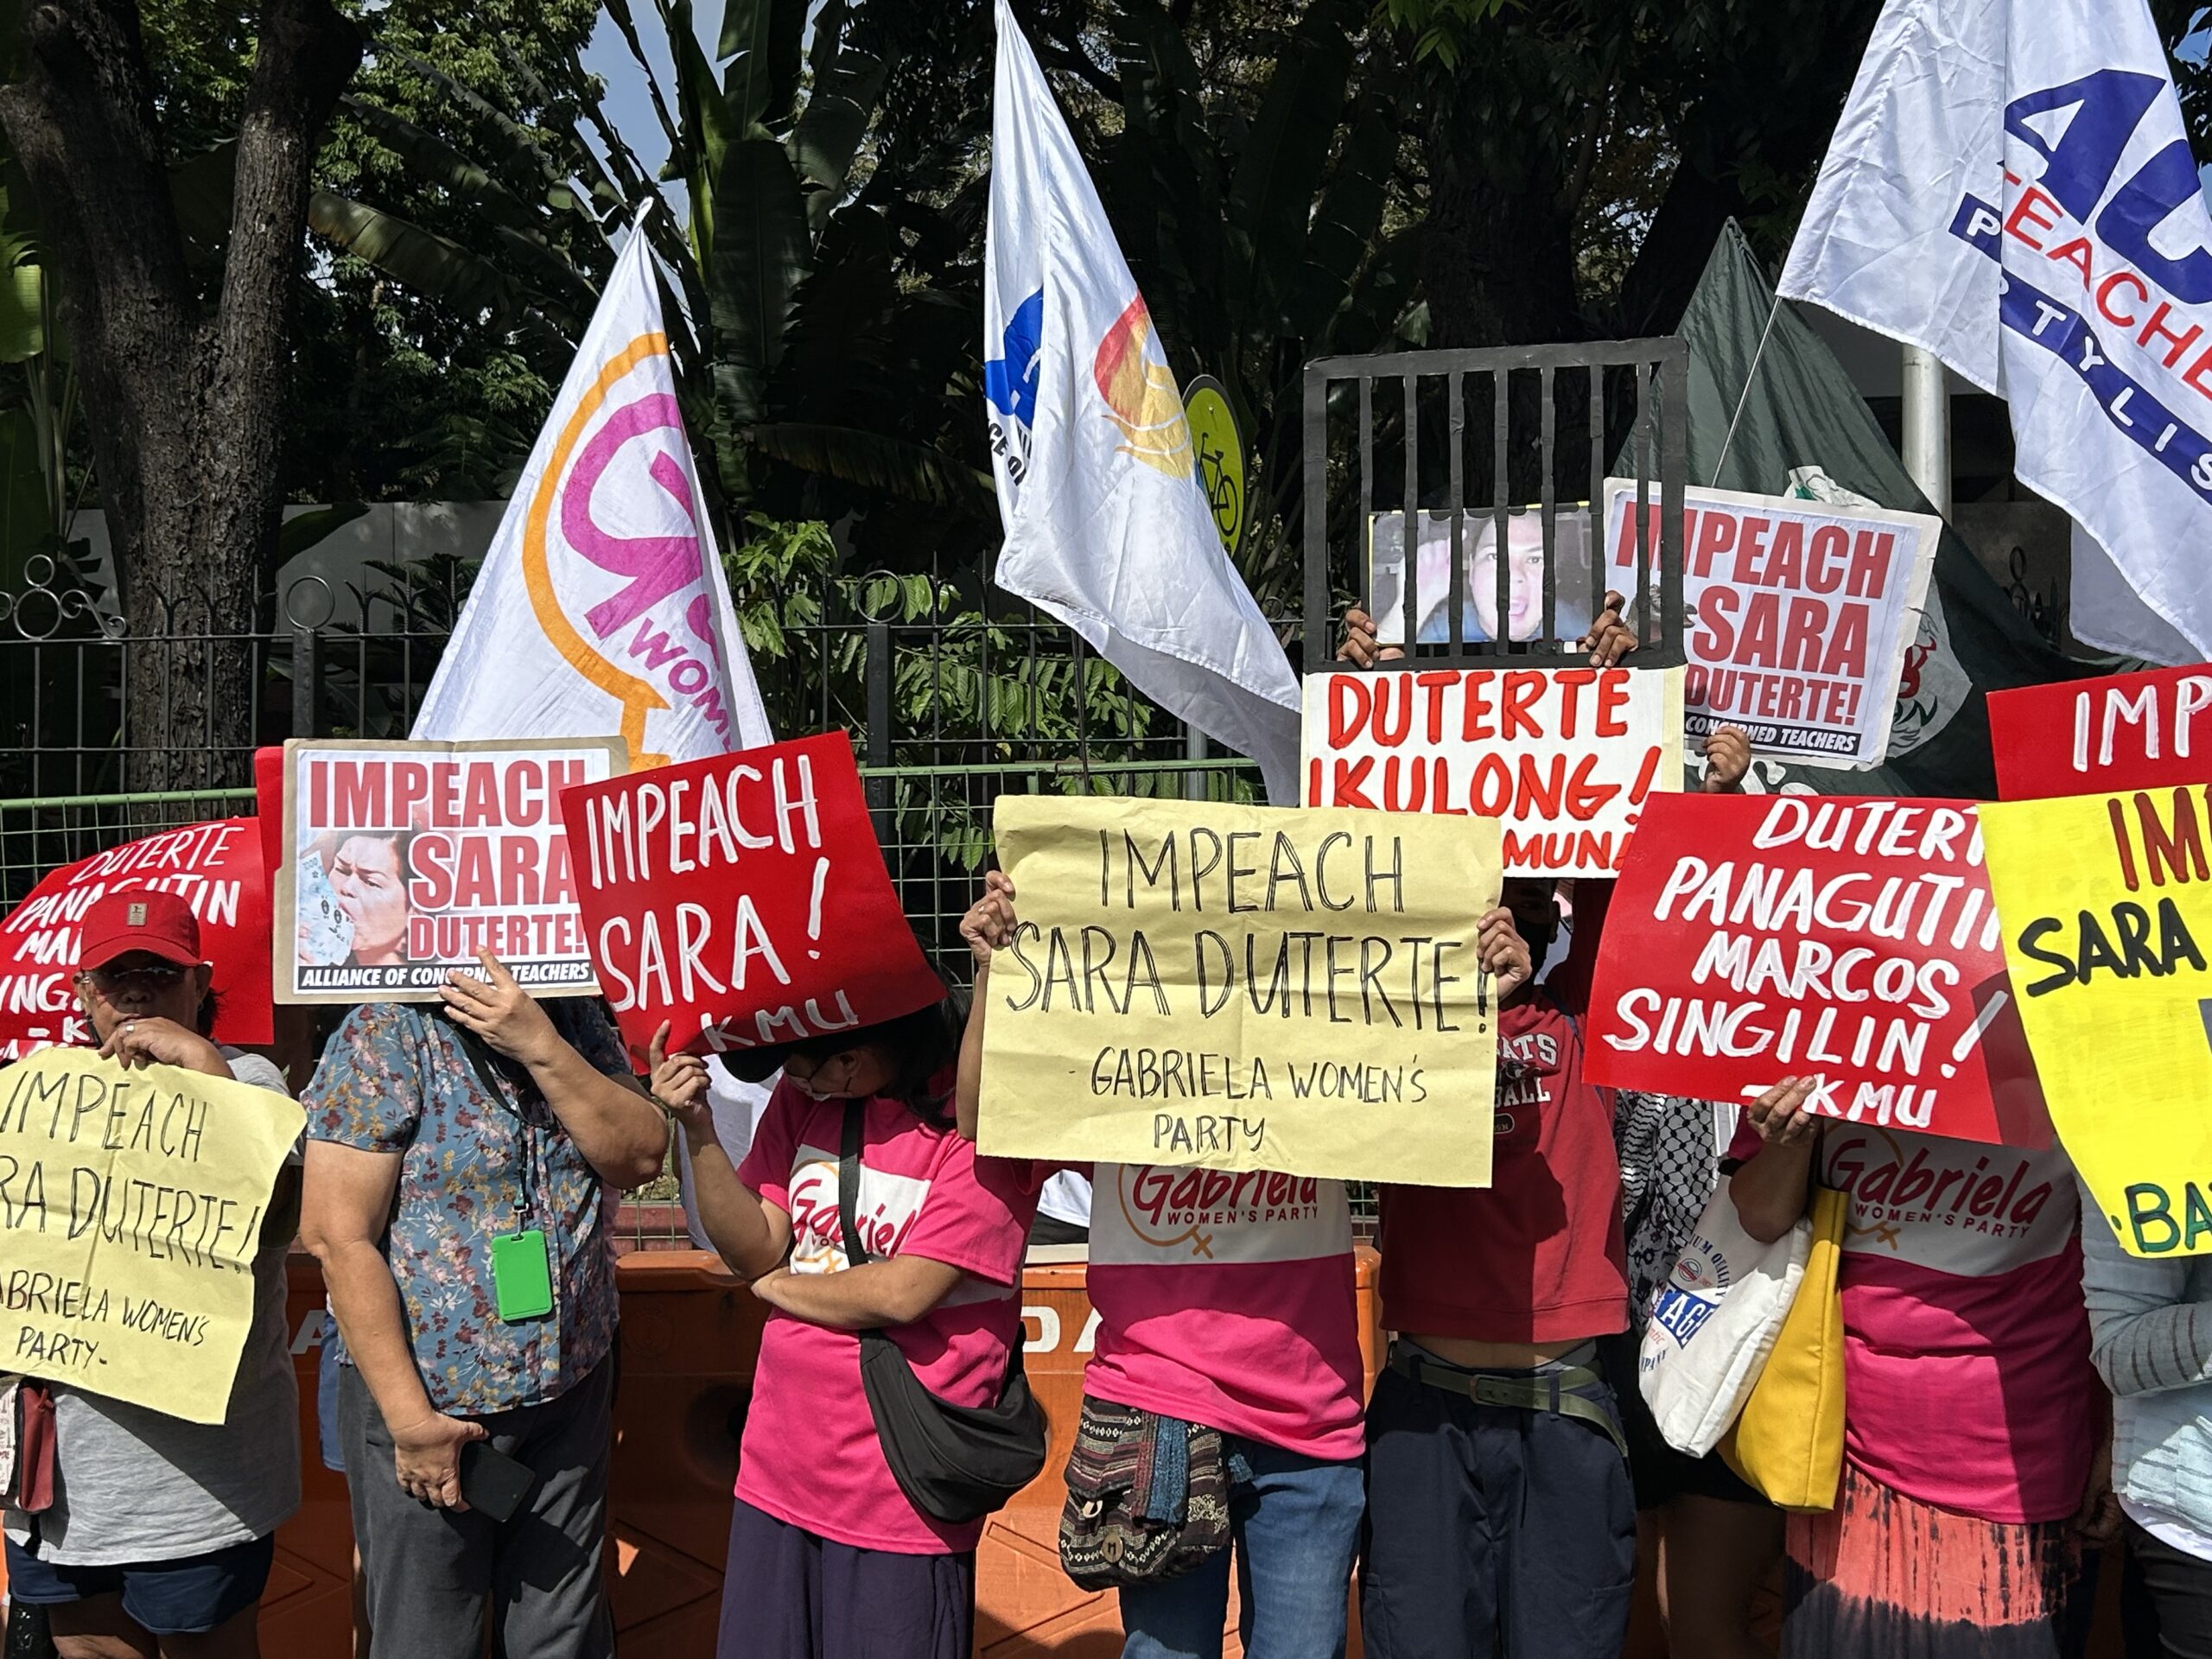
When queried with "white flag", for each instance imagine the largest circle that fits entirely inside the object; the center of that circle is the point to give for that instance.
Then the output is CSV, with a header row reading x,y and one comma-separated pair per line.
x,y
601,609
2011,186
1106,526
2102,611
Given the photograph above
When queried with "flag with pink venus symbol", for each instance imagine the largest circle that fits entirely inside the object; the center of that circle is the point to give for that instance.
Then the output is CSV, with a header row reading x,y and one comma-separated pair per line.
x,y
601,609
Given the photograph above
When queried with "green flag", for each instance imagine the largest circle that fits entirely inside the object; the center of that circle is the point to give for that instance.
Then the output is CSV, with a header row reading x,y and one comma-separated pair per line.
x,y
1773,419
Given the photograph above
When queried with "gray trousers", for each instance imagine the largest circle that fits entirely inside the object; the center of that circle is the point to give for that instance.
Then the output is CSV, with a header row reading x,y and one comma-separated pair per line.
x,y
432,1574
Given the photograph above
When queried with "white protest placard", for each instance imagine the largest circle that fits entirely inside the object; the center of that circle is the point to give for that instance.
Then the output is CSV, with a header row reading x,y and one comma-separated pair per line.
x,y
1565,757
403,860
1799,613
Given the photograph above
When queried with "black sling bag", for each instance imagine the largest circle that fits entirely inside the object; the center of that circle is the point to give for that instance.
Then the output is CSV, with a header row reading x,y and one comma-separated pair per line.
x,y
955,1463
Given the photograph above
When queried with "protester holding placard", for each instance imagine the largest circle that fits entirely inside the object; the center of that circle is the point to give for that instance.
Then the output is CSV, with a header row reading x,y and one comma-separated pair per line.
x,y
1493,1385
1972,1415
162,1531
2150,1337
856,1152
1717,1536
461,1172
1227,1347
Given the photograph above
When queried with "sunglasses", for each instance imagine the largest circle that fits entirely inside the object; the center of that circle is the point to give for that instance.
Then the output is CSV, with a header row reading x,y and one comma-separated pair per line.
x,y
157,976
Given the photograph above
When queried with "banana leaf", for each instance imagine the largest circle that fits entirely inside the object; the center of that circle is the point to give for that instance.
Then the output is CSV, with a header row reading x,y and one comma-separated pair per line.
x,y
423,259
912,470
761,254
760,43
430,157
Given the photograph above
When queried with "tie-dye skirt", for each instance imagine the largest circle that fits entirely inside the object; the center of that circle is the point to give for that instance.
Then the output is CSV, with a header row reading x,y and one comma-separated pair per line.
x,y
1882,1577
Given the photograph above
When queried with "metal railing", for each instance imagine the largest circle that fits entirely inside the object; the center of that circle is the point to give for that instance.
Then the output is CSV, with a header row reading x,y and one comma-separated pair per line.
x,y
954,697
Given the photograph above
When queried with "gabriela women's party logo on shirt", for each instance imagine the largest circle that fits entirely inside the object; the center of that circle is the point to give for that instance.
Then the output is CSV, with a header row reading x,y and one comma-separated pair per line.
x,y
884,1209
1160,1215
1955,1206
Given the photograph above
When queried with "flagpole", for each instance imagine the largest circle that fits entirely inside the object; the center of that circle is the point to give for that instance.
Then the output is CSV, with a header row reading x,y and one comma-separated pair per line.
x,y
1926,405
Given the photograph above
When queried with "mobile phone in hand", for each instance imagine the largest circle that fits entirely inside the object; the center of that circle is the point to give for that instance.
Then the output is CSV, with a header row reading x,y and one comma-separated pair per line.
x,y
493,1482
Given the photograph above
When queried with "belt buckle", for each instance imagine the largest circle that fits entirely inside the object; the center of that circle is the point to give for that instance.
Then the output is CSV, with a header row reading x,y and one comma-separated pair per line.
x,y
1494,1391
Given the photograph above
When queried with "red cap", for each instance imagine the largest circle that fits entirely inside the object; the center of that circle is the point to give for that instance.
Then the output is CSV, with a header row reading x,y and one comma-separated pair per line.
x,y
139,919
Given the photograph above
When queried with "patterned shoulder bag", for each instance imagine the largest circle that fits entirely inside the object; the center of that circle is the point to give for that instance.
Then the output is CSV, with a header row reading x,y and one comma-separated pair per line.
x,y
1148,1496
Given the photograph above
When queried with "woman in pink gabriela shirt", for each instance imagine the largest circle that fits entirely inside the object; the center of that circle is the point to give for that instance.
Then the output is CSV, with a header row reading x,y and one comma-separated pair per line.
x,y
1227,1330
828,1557
1972,1415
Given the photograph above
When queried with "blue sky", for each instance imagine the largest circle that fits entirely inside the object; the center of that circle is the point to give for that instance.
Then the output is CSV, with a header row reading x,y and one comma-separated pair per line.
x,y
628,106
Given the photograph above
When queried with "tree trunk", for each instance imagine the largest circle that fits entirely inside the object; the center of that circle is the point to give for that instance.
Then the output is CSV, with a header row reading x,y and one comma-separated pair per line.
x,y
183,399
1498,249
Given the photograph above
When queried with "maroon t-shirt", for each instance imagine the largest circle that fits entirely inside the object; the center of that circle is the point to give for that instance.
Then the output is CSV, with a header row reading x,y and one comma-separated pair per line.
x,y
1536,1256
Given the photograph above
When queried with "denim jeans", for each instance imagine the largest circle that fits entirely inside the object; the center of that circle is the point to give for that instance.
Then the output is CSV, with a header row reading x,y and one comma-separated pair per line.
x,y
1296,1523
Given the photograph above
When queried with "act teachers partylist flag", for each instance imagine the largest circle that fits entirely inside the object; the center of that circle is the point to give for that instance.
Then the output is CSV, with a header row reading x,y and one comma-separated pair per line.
x,y
601,610
2011,187
1106,526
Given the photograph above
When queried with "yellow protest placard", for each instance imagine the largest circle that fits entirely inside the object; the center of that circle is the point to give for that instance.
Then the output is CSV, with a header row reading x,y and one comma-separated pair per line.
x,y
2107,905
130,1209
1243,989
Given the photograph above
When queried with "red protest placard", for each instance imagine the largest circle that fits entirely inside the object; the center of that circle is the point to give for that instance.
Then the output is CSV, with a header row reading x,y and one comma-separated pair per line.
x,y
1565,757
2084,737
216,867
743,898
1753,937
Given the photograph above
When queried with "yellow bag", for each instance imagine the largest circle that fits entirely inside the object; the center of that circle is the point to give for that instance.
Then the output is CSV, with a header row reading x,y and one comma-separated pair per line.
x,y
1788,1442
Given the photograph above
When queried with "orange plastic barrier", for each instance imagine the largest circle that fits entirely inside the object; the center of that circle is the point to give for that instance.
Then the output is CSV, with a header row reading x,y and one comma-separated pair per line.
x,y
690,1339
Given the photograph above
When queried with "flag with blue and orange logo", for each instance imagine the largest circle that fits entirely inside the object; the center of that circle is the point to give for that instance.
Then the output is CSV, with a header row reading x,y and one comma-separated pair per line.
x,y
1107,527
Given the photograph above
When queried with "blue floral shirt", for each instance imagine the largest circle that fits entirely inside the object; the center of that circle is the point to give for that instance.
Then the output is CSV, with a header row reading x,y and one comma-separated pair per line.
x,y
395,1078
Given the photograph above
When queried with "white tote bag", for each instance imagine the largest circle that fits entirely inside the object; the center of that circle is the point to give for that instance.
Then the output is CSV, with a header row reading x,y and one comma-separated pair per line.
x,y
1715,1322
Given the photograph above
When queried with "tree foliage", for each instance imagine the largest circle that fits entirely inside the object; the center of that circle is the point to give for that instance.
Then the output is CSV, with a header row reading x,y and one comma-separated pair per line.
x,y
1288,178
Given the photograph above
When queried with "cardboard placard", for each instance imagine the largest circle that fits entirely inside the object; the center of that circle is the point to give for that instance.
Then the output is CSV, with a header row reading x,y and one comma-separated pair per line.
x,y
2120,731
130,1211
1799,614
2107,902
1245,988
403,860
216,867
1566,758
1758,936
744,900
